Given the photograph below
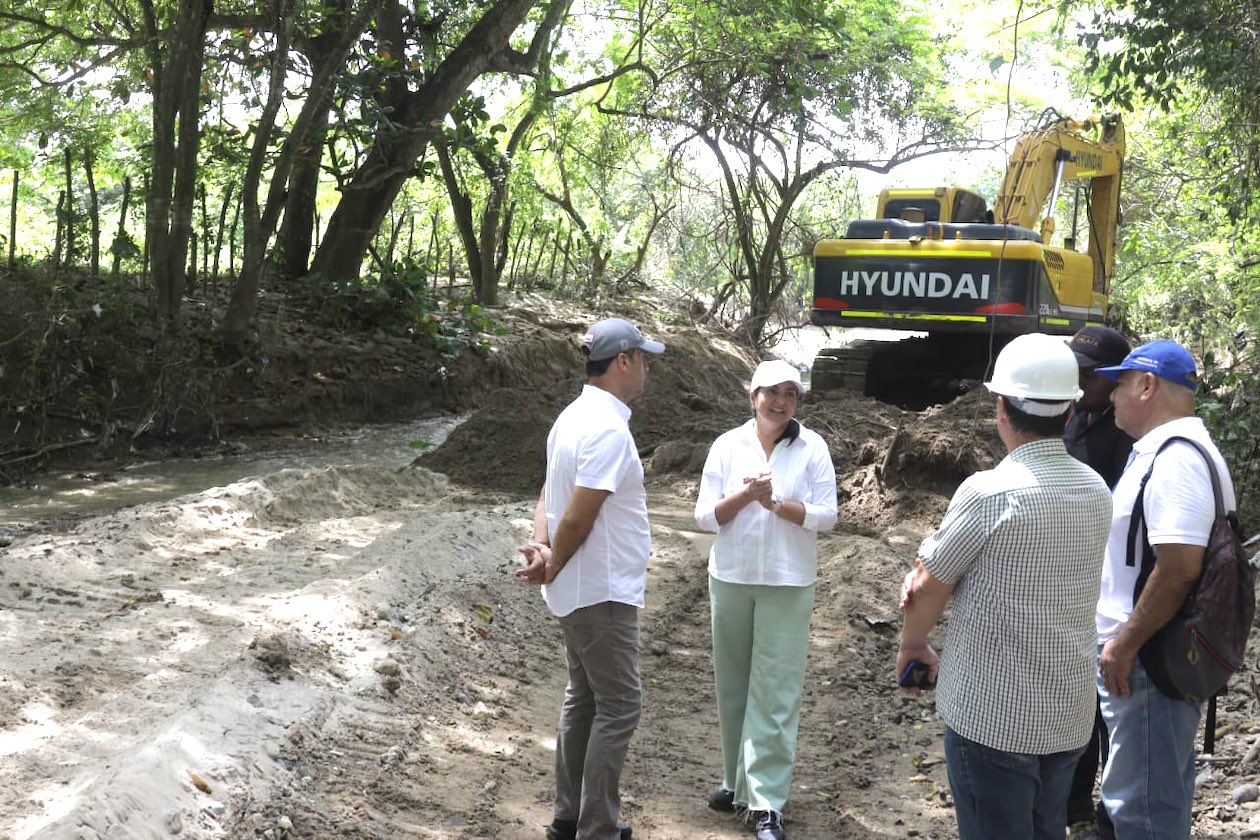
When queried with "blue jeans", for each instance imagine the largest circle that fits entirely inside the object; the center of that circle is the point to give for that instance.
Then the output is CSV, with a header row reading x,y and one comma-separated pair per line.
x,y
1148,784
999,795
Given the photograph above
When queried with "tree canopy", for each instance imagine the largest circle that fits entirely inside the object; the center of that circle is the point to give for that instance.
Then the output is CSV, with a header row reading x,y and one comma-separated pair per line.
x,y
374,150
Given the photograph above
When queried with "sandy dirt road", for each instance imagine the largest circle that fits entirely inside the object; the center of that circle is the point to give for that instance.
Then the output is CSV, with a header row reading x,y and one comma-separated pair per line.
x,y
342,651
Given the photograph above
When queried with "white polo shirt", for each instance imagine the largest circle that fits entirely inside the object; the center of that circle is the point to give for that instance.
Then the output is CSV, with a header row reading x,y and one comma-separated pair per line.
x,y
590,446
1178,509
758,546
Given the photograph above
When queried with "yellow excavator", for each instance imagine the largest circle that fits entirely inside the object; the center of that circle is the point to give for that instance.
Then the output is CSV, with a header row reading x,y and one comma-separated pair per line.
x,y
939,261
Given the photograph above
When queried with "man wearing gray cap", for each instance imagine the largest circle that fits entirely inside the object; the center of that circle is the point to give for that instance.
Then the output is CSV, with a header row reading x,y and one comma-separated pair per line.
x,y
589,552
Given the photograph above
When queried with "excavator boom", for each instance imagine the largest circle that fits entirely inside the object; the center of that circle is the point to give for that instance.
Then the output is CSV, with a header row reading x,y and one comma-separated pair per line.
x,y
1043,159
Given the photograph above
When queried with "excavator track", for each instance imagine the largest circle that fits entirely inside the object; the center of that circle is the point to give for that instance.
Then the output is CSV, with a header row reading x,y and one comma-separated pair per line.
x,y
843,367
912,373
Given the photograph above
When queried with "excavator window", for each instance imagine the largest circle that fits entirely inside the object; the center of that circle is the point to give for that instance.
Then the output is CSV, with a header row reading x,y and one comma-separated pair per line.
x,y
968,207
922,209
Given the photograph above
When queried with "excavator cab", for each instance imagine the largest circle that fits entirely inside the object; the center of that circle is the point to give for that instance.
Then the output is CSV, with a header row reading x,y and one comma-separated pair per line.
x,y
931,204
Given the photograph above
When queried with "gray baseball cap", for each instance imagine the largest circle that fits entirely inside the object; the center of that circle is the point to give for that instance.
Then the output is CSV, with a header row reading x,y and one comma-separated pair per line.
x,y
611,336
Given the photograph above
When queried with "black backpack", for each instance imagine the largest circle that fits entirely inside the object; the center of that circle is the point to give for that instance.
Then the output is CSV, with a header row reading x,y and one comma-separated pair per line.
x,y
1192,656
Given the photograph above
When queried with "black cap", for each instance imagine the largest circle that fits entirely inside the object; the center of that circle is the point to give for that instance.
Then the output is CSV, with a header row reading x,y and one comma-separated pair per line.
x,y
1097,345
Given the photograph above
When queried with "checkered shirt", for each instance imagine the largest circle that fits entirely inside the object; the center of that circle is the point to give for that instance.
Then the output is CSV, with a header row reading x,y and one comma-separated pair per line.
x,y
1023,543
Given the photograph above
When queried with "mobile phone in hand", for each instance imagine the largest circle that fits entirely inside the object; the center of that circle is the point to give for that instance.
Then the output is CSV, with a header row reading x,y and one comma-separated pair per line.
x,y
915,675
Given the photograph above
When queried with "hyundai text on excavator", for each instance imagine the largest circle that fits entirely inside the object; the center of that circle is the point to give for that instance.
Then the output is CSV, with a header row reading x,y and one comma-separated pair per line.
x,y
938,261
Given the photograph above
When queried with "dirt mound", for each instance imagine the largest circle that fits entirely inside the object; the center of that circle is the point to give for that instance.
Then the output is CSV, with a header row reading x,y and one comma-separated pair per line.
x,y
944,444
694,392
503,445
892,465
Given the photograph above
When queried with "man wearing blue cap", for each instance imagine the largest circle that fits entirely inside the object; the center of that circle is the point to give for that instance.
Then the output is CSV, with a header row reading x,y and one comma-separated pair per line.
x,y
1148,784
590,552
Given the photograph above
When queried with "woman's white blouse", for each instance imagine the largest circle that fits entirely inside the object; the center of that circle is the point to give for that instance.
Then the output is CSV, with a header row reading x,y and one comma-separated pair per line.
x,y
757,546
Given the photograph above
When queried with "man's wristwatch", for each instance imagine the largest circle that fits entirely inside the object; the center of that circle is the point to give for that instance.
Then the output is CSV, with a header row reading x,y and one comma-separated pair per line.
x,y
776,502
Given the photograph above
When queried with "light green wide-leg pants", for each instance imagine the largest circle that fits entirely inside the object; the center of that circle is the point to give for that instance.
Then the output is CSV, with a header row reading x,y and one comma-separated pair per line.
x,y
760,641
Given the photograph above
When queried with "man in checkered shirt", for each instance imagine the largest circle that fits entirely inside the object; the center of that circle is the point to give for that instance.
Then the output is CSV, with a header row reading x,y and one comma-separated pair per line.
x,y
1020,551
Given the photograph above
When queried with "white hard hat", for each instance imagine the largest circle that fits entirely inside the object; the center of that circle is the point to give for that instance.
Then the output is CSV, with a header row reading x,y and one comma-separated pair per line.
x,y
1037,367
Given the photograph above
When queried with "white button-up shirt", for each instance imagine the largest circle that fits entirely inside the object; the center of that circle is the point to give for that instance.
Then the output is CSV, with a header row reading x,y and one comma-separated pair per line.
x,y
758,546
590,446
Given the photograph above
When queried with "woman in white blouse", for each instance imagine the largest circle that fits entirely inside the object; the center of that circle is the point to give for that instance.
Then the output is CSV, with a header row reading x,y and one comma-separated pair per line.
x,y
768,488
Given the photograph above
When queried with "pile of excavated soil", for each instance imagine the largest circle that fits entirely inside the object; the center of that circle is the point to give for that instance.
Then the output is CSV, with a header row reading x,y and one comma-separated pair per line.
x,y
694,392
891,465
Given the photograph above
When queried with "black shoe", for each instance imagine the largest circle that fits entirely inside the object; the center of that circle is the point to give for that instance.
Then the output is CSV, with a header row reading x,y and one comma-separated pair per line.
x,y
567,830
722,799
1102,822
769,825
1080,811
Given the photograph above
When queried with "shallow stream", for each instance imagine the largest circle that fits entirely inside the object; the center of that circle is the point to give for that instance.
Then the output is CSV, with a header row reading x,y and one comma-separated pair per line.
x,y
56,499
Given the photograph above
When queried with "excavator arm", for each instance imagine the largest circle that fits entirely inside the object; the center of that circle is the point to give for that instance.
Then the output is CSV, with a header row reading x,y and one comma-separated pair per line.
x,y
1061,151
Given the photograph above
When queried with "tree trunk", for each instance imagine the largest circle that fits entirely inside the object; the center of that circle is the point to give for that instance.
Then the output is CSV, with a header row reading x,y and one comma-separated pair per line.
x,y
374,185
529,252
61,225
551,268
542,246
261,218
121,236
176,140
411,237
431,266
146,254
94,215
69,208
205,232
240,312
391,243
516,260
462,212
13,207
191,272
218,237
297,231
236,221
564,275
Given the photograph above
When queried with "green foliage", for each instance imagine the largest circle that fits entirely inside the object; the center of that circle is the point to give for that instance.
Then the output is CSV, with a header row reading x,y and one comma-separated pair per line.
x,y
402,300
1161,49
1187,270
1185,55
1230,407
81,361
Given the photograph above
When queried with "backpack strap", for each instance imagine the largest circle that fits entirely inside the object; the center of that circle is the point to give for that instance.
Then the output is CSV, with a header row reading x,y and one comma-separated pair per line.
x,y
1148,555
1209,724
1135,519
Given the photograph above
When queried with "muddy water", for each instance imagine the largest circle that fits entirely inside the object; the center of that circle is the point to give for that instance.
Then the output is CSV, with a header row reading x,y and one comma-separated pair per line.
x,y
56,499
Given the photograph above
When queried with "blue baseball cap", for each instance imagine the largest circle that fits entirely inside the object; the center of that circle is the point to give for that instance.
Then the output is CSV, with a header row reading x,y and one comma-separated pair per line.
x,y
1165,358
